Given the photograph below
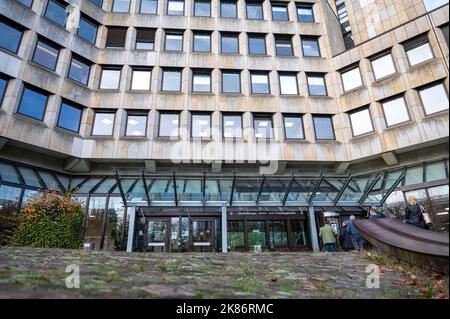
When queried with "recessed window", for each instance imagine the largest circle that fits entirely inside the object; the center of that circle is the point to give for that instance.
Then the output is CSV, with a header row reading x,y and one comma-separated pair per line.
x,y
116,37
171,80
231,82
175,7
256,44
103,123
395,111
418,50
110,79
69,117
351,79
145,39
202,8
33,103
168,124
46,54
3,85
201,81
383,66
98,3
293,127
202,42
262,125
280,12
229,42
316,84
56,11
323,127
11,37
254,10
232,125
310,47
445,32
434,98
149,6
201,125
141,79
228,9
79,70
26,3
87,30
174,41
283,45
260,82
361,121
136,125
430,5
121,6
288,83
305,13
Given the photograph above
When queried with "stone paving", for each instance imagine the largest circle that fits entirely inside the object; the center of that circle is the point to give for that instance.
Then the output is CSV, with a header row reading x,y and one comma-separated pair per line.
x,y
40,273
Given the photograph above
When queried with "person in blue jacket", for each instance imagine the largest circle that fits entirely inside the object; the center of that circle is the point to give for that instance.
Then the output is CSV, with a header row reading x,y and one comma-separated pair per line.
x,y
373,213
356,238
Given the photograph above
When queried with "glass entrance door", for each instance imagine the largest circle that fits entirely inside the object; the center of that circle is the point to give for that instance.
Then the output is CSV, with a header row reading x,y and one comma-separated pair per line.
x,y
156,237
202,235
278,234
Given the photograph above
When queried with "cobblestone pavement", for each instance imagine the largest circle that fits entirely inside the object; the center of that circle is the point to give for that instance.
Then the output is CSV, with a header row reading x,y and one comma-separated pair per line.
x,y
40,273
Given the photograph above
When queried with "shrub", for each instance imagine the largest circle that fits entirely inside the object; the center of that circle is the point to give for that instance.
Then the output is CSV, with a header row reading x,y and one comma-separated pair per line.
x,y
50,220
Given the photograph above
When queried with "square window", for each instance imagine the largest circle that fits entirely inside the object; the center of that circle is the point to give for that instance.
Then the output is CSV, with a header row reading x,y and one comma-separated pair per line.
x,y
283,46
174,41
116,37
11,37
122,6
79,70
383,66
69,117
141,79
293,127
316,85
201,81
46,55
33,103
98,3
263,126
430,5
288,83
26,3
232,125
149,6
175,7
171,80
280,12
323,127
87,30
434,98
136,125
168,124
445,33
310,47
395,111
145,39
110,79
201,125
202,8
351,79
361,121
103,124
202,42
228,9
231,82
254,11
305,13
3,85
229,42
260,83
420,53
56,11
256,44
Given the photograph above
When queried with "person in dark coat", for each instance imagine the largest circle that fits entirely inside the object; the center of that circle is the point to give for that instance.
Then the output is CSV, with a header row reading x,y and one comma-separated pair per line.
x,y
344,238
413,213
373,213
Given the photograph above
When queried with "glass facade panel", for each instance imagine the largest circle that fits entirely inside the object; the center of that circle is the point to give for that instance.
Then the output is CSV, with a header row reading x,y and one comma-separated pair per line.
x,y
310,47
11,36
8,173
280,12
94,222
161,190
254,11
414,175
168,124
122,6
263,127
201,125
232,125
175,7
323,127
103,124
256,44
438,192
46,55
149,6
110,79
56,12
283,46
316,85
231,82
9,201
202,42
30,177
136,125
435,171
236,236
293,127
115,225
305,14
246,191
174,42
79,71
256,235
33,104
278,233
87,30
260,83
201,82
50,181
229,43
70,117
202,8
299,234
228,9
171,80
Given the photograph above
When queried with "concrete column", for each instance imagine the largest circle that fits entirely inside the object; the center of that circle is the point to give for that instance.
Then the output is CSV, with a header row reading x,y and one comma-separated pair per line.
x,y
313,229
224,228
131,224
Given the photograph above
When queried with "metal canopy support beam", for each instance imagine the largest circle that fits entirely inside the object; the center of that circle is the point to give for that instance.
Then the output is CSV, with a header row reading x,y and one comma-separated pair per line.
x,y
147,195
224,228
96,186
260,190
58,181
175,188
313,194
119,184
288,190
369,189
341,192
131,225
232,189
394,186
313,229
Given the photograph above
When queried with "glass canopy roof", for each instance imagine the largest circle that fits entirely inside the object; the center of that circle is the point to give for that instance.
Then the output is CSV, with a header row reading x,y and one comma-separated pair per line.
x,y
213,190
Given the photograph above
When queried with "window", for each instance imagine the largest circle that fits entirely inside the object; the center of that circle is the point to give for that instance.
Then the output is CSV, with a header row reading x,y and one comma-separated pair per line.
x,y
46,54
201,81
116,37
444,29
174,41
103,123
3,85
175,7
293,127
232,125
263,126
323,127
430,5
361,121
202,42
228,9
87,30
56,11
11,37
171,80
79,70
141,79
351,79
280,12
288,83
121,6
136,125
168,124
434,98
201,125
69,117
283,45
260,82
256,44
383,66
310,47
229,42
202,8
98,3
110,79
395,111
26,3
33,103
254,10
149,6
316,84
145,39
305,13
231,82
418,50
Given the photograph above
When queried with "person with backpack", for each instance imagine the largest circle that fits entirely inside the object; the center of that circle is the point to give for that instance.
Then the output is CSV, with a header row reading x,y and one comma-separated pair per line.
x,y
328,235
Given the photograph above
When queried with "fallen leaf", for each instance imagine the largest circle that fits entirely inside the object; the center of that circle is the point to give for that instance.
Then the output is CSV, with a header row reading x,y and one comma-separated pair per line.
x,y
309,286
319,278
440,296
273,279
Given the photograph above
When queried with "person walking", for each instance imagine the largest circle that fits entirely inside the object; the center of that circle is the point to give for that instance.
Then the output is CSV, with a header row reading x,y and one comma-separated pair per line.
x,y
344,238
373,213
328,235
413,213
356,238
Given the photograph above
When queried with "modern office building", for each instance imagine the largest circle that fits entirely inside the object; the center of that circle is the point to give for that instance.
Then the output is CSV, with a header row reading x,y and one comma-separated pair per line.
x,y
213,125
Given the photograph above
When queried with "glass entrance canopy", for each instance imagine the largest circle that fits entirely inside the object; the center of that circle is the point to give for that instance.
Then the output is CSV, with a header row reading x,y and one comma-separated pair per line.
x,y
212,190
